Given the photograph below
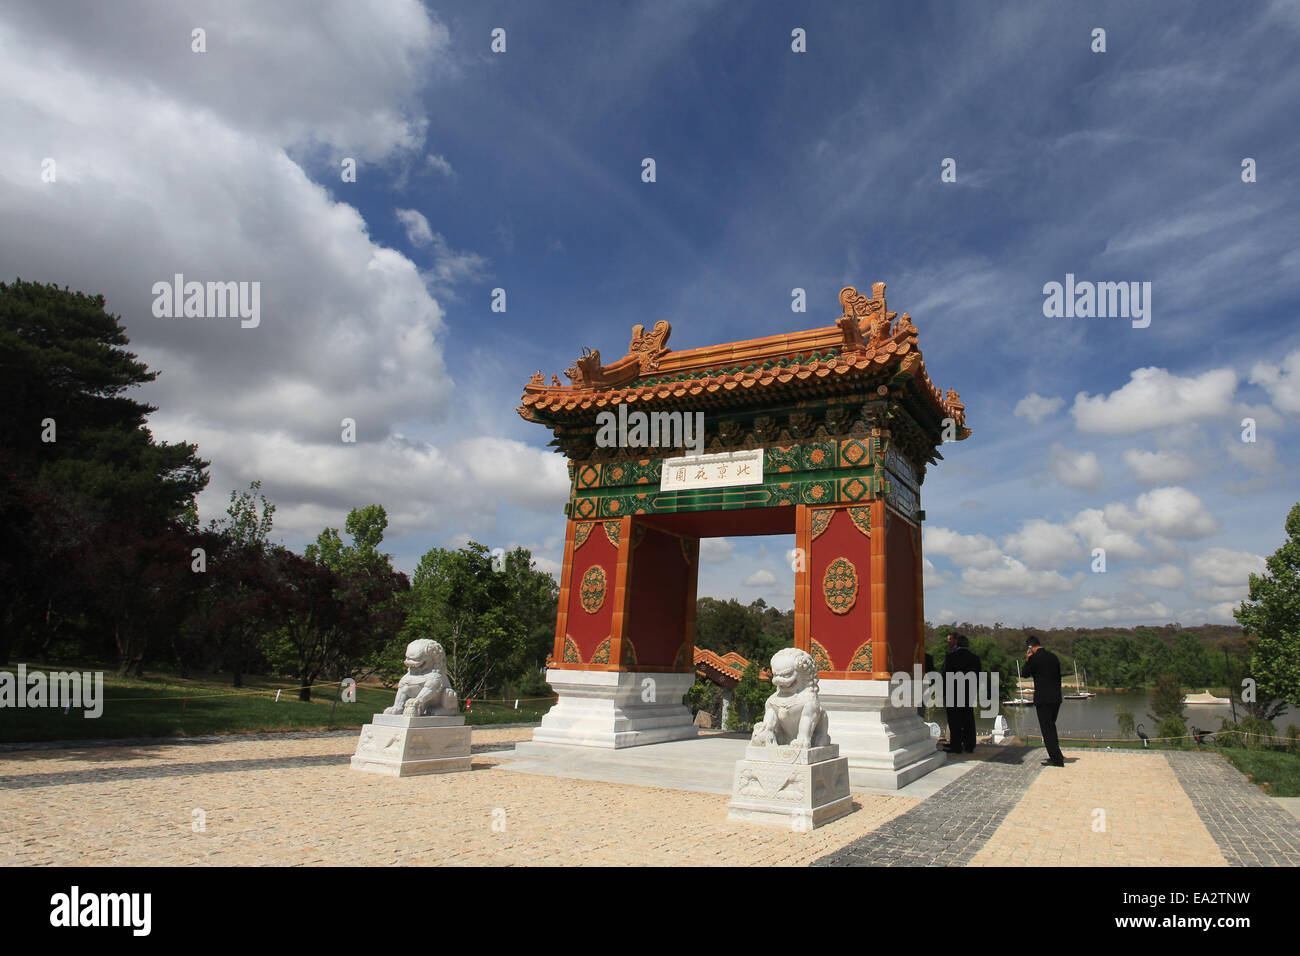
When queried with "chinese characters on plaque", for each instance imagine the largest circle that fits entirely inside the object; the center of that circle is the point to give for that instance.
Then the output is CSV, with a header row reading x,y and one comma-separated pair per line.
x,y
726,470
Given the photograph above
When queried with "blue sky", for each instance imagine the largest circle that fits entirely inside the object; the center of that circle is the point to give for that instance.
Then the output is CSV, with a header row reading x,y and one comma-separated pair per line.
x,y
775,170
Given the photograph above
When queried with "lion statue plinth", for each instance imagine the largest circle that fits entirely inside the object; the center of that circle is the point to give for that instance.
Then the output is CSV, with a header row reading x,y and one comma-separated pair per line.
x,y
793,715
424,690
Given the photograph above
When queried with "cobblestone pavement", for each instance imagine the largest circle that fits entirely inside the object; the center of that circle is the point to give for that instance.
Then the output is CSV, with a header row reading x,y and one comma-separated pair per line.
x,y
295,802
1249,827
950,827
291,800
1122,808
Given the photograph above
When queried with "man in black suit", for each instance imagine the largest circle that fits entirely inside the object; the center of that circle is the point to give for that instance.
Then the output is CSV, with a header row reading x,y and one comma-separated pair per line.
x,y
929,667
1045,668
961,661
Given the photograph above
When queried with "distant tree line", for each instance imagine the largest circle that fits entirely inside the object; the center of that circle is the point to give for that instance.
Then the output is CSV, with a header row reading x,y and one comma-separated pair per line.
x,y
102,557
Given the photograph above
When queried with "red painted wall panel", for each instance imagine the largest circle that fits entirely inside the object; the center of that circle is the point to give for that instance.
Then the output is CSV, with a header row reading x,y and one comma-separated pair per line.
x,y
659,584
588,630
900,587
840,634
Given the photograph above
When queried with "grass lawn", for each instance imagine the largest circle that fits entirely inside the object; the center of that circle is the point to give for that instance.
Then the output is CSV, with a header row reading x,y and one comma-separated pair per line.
x,y
170,706
1276,772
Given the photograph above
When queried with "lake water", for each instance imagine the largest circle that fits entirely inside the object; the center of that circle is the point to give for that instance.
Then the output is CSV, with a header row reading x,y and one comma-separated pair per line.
x,y
1096,716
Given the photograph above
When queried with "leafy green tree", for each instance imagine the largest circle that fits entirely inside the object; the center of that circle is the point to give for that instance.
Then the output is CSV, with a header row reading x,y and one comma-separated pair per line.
x,y
726,626
348,604
750,697
86,489
494,616
1272,617
246,598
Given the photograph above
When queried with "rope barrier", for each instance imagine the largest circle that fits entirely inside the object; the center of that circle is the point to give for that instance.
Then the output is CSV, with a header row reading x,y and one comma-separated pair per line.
x,y
1129,740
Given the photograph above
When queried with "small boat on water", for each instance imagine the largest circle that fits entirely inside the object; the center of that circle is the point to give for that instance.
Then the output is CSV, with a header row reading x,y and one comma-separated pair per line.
x,y
1017,701
1080,692
1206,698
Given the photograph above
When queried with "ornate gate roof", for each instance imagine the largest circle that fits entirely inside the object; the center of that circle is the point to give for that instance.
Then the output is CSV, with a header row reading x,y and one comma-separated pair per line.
x,y
861,378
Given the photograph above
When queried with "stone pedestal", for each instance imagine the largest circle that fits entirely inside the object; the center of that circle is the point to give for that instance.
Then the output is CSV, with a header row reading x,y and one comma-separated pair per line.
x,y
796,787
887,747
615,709
406,746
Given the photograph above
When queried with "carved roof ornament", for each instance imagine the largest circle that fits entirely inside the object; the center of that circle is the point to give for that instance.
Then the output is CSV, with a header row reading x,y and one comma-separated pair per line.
x,y
537,378
555,380
955,406
585,372
869,311
650,347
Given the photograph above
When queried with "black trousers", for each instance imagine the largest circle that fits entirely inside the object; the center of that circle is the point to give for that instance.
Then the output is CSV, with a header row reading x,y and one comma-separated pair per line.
x,y
961,728
1047,723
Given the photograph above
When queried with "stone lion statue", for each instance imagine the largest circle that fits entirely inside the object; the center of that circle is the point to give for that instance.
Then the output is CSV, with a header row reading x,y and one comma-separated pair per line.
x,y
793,715
424,690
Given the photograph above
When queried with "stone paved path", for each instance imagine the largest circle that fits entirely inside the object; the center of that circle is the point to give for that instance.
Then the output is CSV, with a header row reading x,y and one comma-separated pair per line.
x,y
295,802
1121,808
951,826
291,800
1249,827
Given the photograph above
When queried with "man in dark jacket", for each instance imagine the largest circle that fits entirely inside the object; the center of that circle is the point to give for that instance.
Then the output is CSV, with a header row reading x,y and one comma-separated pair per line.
x,y
929,668
960,692
1045,668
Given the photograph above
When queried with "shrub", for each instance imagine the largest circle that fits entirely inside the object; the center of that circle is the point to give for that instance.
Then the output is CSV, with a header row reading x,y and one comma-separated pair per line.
x,y
1258,733
1229,734
1124,720
1174,728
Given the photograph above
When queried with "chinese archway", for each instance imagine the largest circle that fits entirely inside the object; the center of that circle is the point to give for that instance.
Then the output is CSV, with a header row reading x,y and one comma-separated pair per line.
x,y
825,434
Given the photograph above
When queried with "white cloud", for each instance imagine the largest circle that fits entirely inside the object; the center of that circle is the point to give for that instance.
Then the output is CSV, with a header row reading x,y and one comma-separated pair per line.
x,y
1153,398
1036,408
933,577
417,228
1042,544
1224,574
1091,525
716,550
1079,470
1282,382
1009,576
1127,608
453,266
1222,613
1158,467
1167,576
172,162
1171,512
1259,456
439,163
964,550
511,471
760,579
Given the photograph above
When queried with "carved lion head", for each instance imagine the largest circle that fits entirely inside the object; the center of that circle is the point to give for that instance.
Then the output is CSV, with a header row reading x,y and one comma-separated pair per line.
x,y
424,655
793,669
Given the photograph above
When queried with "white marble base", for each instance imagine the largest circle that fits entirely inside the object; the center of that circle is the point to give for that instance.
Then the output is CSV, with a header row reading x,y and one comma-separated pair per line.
x,y
792,787
887,747
610,709
407,746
